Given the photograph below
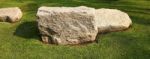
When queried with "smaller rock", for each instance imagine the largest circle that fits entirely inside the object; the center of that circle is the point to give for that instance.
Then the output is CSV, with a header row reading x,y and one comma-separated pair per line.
x,y
108,20
12,14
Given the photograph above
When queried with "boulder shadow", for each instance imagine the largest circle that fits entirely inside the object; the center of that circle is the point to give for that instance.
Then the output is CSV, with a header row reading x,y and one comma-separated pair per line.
x,y
28,30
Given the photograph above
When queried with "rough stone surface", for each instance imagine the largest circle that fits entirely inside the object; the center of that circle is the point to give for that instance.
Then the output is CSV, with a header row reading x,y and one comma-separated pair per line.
x,y
108,20
67,25
12,14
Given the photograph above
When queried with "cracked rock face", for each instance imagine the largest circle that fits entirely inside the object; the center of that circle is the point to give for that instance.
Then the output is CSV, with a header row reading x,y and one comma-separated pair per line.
x,y
67,25
12,14
108,20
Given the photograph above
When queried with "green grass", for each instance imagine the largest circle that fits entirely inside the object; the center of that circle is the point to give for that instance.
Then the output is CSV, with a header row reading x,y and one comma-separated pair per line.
x,y
21,40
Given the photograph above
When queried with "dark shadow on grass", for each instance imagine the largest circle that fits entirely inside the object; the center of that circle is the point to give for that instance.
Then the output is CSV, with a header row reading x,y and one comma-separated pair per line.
x,y
140,20
27,30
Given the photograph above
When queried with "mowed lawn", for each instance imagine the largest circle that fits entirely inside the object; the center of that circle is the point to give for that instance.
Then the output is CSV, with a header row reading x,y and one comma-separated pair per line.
x,y
21,40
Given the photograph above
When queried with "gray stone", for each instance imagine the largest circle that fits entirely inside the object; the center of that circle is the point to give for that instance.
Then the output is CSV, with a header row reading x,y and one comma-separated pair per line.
x,y
12,14
67,25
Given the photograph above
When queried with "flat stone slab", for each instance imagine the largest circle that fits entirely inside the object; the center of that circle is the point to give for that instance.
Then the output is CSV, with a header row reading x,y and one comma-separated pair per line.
x,y
108,20
12,14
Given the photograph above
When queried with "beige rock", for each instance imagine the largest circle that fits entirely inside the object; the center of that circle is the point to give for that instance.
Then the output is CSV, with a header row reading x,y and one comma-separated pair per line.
x,y
67,25
111,20
12,14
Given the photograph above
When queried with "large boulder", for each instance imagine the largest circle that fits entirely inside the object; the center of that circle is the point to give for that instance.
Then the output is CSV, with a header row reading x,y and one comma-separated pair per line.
x,y
67,25
108,20
12,14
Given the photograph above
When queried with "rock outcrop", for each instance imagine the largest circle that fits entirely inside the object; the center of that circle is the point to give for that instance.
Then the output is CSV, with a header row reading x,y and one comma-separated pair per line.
x,y
67,25
12,14
108,20
77,25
